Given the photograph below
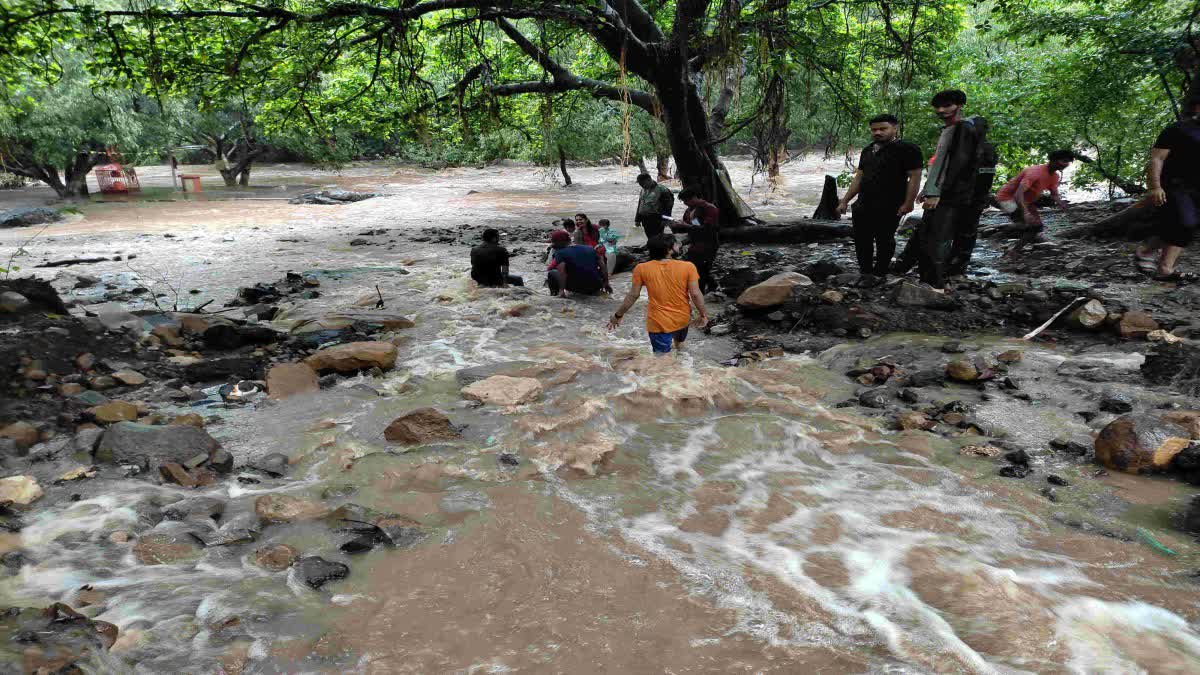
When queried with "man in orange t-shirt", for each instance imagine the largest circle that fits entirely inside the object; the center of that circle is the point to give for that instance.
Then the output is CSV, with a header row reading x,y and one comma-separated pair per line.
x,y
1018,197
670,285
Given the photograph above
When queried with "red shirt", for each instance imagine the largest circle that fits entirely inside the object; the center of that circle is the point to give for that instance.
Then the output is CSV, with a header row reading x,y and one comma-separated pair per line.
x,y
1036,179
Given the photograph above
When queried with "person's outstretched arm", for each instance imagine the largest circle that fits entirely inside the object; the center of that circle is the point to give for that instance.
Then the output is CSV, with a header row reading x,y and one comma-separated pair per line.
x,y
1154,189
698,300
630,298
910,195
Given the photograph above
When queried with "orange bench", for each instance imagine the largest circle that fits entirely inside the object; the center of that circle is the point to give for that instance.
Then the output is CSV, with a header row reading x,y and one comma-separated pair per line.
x,y
184,179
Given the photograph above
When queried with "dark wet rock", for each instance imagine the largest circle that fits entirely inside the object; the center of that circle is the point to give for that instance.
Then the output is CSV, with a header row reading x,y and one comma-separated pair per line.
x,y
338,491
40,294
1015,471
213,370
223,537
1018,458
1174,365
224,336
1186,464
962,370
12,302
1071,446
508,460
1055,479
874,398
1116,402
909,396
274,464
1140,444
360,544
127,442
27,216
953,347
423,425
316,571
56,640
1050,493
221,461
925,378
195,508
1191,518
823,269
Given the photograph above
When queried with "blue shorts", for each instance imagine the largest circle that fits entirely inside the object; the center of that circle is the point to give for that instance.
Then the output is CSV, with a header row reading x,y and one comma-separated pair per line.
x,y
661,342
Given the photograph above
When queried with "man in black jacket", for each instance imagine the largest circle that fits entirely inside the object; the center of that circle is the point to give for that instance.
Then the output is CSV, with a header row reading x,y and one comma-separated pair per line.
x,y
950,187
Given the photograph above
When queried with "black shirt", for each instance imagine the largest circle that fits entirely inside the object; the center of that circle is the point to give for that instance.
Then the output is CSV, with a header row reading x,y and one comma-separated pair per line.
x,y
885,170
1182,167
487,261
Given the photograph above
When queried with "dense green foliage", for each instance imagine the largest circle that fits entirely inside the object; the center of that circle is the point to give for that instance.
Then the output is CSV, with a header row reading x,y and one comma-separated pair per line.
x,y
337,80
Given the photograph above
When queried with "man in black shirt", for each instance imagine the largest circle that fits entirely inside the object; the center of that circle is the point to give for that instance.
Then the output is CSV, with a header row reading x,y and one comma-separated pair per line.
x,y
1173,179
886,184
489,262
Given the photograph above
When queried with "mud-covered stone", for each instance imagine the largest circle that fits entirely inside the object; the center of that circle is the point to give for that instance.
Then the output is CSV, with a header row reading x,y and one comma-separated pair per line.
x,y
423,425
283,508
127,442
1139,444
354,356
504,390
316,571
291,379
772,292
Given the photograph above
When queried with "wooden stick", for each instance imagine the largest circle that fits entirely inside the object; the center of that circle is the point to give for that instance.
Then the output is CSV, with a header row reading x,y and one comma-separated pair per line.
x,y
1037,331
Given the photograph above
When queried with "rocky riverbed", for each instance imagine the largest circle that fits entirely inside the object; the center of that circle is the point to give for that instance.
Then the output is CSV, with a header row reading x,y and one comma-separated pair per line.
x,y
337,456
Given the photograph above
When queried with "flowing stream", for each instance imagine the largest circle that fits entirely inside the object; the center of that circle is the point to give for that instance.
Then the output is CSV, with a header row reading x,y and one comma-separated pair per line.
x,y
667,515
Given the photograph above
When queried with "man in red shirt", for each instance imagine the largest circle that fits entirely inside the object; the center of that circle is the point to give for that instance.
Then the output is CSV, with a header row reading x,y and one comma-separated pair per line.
x,y
700,223
1018,196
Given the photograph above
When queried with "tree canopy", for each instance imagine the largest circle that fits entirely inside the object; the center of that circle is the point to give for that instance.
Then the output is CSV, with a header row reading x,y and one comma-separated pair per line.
x,y
469,80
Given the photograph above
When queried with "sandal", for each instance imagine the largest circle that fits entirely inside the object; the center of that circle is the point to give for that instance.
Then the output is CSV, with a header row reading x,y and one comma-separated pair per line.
x,y
1175,276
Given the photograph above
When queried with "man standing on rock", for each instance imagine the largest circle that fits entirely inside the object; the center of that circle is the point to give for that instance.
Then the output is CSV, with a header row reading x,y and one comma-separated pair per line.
x,y
1173,182
1018,197
886,184
673,287
489,262
575,268
949,187
701,224
654,206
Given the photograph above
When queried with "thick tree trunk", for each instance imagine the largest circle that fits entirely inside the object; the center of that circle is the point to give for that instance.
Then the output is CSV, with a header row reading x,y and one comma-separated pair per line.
x,y
1133,223
827,209
562,166
244,177
787,232
663,165
229,176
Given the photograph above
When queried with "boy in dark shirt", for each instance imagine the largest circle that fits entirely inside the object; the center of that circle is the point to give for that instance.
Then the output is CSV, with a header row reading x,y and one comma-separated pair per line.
x,y
701,223
489,262
886,184
1173,179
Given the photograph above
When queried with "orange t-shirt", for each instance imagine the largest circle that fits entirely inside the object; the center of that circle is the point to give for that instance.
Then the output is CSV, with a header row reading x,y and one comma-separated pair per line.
x,y
666,283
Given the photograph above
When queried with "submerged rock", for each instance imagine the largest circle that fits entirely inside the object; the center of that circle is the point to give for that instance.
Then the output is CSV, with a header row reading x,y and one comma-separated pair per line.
x,y
354,356
26,216
316,571
774,291
504,390
276,557
423,425
1139,444
282,508
274,465
56,639
127,442
290,379
474,374
166,548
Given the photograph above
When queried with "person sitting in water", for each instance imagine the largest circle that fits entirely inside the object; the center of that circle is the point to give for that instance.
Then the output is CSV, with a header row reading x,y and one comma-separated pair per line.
x,y
608,241
586,233
575,268
489,263
671,286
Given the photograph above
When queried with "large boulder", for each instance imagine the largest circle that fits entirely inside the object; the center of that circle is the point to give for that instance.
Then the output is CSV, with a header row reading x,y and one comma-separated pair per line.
x,y
290,379
423,425
19,490
354,356
1140,444
281,508
504,390
774,291
12,302
128,442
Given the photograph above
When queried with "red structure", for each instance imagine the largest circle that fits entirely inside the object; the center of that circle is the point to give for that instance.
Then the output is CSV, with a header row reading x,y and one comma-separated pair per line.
x,y
116,179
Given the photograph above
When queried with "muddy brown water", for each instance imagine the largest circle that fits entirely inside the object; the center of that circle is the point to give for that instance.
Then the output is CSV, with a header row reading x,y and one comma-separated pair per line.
x,y
668,515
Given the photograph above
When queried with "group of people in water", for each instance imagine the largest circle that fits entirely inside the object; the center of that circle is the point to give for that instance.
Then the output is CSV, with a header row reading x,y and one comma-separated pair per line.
x,y
886,188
